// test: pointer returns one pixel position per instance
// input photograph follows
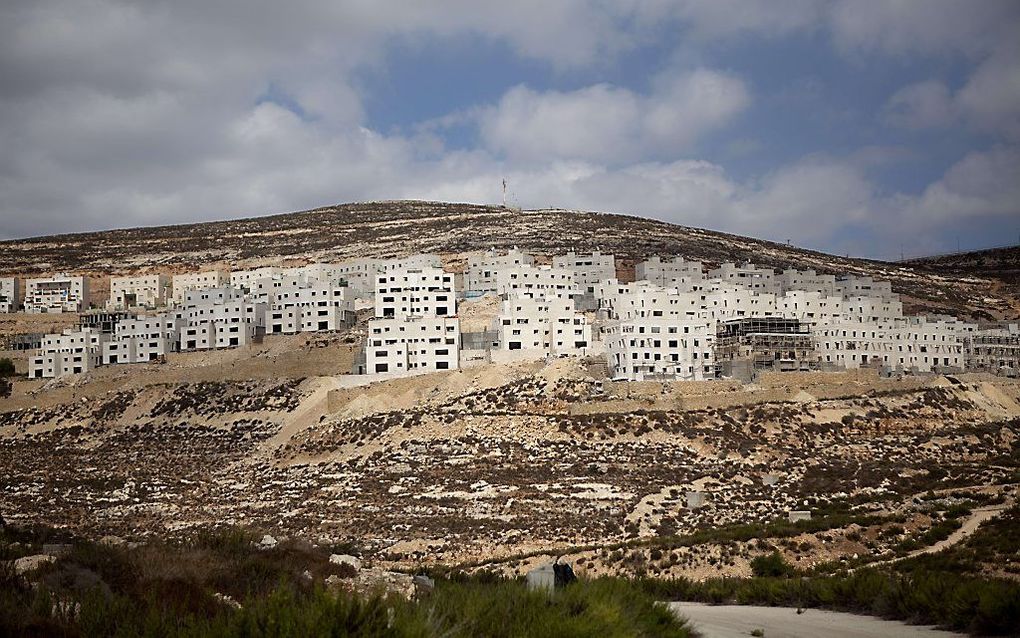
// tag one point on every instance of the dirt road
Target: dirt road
(738, 621)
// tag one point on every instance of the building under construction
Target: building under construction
(748, 346)
(994, 349)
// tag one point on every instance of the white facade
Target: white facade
(854, 286)
(588, 269)
(811, 307)
(246, 278)
(412, 344)
(147, 291)
(747, 276)
(312, 307)
(537, 280)
(677, 273)
(645, 348)
(483, 269)
(71, 352)
(808, 281)
(59, 293)
(905, 345)
(872, 309)
(143, 339)
(9, 294)
(425, 292)
(198, 281)
(546, 324)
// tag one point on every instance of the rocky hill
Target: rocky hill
(383, 229)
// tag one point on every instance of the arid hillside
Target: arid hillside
(381, 229)
(500, 463)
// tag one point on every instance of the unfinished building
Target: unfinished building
(995, 349)
(748, 346)
(56, 294)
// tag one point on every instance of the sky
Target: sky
(877, 129)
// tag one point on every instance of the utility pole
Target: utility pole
(504, 192)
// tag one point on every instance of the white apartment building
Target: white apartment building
(145, 291)
(872, 309)
(412, 344)
(222, 294)
(644, 299)
(588, 269)
(807, 280)
(536, 280)
(294, 307)
(483, 268)
(731, 302)
(545, 324)
(677, 273)
(59, 293)
(71, 352)
(419, 261)
(198, 281)
(854, 286)
(417, 292)
(914, 344)
(9, 294)
(747, 276)
(246, 278)
(671, 348)
(811, 306)
(143, 339)
(221, 320)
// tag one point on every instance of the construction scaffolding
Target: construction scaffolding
(746, 347)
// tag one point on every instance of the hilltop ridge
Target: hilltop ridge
(394, 228)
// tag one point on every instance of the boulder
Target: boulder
(345, 559)
(267, 542)
(32, 563)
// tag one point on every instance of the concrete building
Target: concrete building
(71, 352)
(747, 276)
(677, 273)
(143, 339)
(851, 286)
(660, 349)
(588, 269)
(412, 344)
(537, 280)
(245, 279)
(913, 345)
(220, 318)
(807, 281)
(417, 292)
(103, 321)
(545, 324)
(311, 307)
(811, 307)
(145, 291)
(198, 281)
(749, 346)
(9, 299)
(994, 349)
(59, 293)
(483, 269)
(872, 309)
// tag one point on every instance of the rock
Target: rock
(111, 541)
(227, 600)
(267, 542)
(32, 563)
(423, 585)
(345, 559)
(307, 575)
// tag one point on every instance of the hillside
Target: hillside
(382, 229)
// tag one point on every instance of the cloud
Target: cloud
(610, 124)
(921, 105)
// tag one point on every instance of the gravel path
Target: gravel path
(738, 621)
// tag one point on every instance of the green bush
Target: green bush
(6, 368)
(771, 565)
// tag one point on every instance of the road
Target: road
(738, 621)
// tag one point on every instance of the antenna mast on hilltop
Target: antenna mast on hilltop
(504, 192)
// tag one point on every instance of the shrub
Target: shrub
(773, 565)
(6, 367)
